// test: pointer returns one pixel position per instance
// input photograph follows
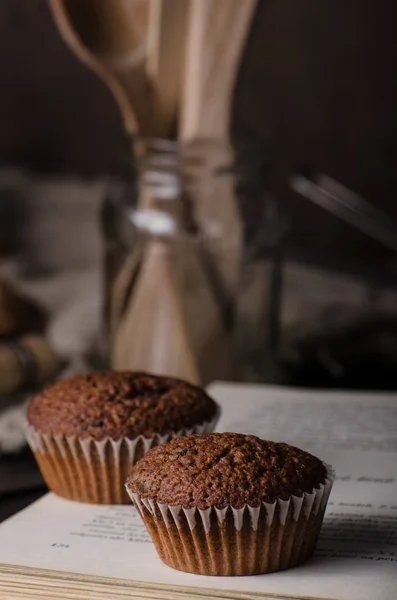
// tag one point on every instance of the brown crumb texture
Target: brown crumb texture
(119, 404)
(222, 469)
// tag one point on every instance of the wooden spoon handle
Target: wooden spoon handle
(165, 60)
(62, 20)
(153, 334)
(217, 34)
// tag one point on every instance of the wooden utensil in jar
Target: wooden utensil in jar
(217, 35)
(165, 61)
(109, 37)
(172, 323)
(153, 334)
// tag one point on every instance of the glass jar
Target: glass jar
(191, 283)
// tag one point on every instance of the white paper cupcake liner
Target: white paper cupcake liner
(275, 535)
(88, 470)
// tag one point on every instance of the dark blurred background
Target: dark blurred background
(318, 78)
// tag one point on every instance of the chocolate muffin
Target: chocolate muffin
(86, 432)
(231, 504)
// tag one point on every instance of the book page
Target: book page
(356, 558)
(310, 418)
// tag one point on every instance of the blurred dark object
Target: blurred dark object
(13, 503)
(362, 356)
(12, 215)
(348, 206)
(27, 362)
(18, 473)
(20, 482)
(18, 313)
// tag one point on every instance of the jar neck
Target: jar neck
(177, 178)
(158, 170)
(159, 185)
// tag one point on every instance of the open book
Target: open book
(60, 549)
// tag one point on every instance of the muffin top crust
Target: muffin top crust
(222, 469)
(119, 404)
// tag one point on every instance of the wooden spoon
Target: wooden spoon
(154, 335)
(171, 324)
(109, 36)
(165, 61)
(217, 35)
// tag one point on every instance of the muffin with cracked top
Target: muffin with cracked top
(86, 432)
(231, 504)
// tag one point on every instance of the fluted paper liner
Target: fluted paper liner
(87, 470)
(229, 541)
